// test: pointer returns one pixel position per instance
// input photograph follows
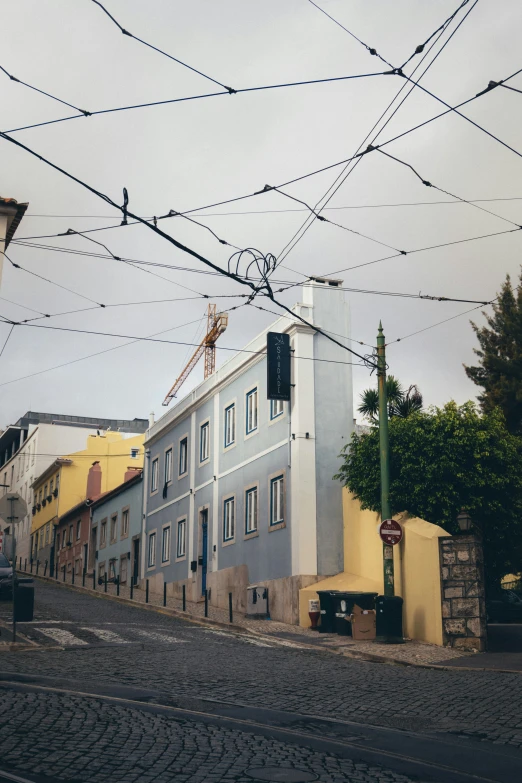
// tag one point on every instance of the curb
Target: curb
(205, 621)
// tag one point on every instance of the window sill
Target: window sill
(165, 563)
(251, 434)
(180, 559)
(252, 534)
(277, 526)
(183, 475)
(229, 447)
(229, 542)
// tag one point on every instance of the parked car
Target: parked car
(6, 577)
(504, 606)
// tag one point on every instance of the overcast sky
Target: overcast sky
(186, 155)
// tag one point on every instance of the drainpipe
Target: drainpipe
(146, 464)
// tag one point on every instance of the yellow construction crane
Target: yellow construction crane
(216, 325)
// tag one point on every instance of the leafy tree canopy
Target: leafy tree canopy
(499, 369)
(441, 461)
(401, 402)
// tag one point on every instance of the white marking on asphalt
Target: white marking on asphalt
(105, 635)
(159, 637)
(61, 636)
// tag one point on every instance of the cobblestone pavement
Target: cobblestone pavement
(87, 740)
(90, 640)
(411, 652)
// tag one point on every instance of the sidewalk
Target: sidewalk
(409, 653)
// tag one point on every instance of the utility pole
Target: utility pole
(387, 550)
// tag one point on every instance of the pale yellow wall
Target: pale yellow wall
(112, 451)
(417, 573)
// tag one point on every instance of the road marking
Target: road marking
(159, 637)
(105, 635)
(61, 636)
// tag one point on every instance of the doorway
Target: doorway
(92, 549)
(135, 560)
(204, 549)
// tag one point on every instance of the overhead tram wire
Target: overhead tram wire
(153, 227)
(201, 96)
(439, 323)
(339, 181)
(429, 184)
(160, 51)
(7, 338)
(370, 49)
(286, 283)
(82, 112)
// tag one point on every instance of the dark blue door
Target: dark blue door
(204, 550)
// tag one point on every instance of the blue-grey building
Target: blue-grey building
(238, 489)
(116, 530)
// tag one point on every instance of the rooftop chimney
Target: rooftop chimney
(94, 480)
(131, 472)
(151, 419)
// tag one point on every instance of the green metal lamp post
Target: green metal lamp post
(387, 550)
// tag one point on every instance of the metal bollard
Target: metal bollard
(31, 566)
(37, 566)
(132, 588)
(206, 603)
(20, 563)
(164, 594)
(94, 579)
(25, 565)
(230, 615)
(83, 578)
(184, 604)
(73, 574)
(117, 585)
(147, 591)
(105, 583)
(64, 573)
(45, 568)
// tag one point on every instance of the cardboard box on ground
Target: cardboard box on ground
(363, 623)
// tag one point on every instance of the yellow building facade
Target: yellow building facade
(64, 483)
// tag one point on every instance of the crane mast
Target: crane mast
(216, 325)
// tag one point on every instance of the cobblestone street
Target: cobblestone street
(113, 690)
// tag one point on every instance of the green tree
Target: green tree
(443, 460)
(499, 369)
(400, 402)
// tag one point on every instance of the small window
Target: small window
(251, 510)
(277, 500)
(182, 528)
(251, 411)
(228, 519)
(40, 495)
(71, 529)
(123, 569)
(47, 533)
(276, 408)
(152, 550)
(45, 491)
(57, 483)
(183, 454)
(112, 569)
(77, 566)
(168, 466)
(64, 538)
(125, 522)
(154, 475)
(51, 487)
(103, 533)
(101, 571)
(135, 453)
(114, 524)
(230, 425)
(165, 545)
(78, 529)
(204, 442)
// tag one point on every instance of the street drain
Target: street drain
(280, 774)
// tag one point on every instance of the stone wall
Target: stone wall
(462, 583)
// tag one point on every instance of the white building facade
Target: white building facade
(238, 489)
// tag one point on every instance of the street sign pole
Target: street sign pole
(387, 550)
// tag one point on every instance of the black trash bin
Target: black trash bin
(344, 602)
(326, 600)
(389, 619)
(24, 600)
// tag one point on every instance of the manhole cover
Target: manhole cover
(280, 774)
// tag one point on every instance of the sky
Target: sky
(186, 155)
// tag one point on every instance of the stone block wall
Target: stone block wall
(463, 599)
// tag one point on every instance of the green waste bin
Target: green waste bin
(326, 600)
(344, 601)
(389, 619)
(24, 600)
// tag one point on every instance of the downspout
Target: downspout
(146, 463)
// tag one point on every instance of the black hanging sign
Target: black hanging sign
(278, 366)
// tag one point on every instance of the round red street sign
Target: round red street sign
(390, 531)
